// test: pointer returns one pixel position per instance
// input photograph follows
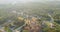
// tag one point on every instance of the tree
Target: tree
(6, 28)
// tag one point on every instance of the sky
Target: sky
(23, 1)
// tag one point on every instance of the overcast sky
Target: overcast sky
(23, 1)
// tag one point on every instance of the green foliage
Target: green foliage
(55, 29)
(7, 29)
(25, 31)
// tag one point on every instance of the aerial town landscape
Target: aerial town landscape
(29, 15)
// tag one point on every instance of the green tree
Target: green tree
(6, 28)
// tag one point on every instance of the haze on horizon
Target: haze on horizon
(23, 1)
